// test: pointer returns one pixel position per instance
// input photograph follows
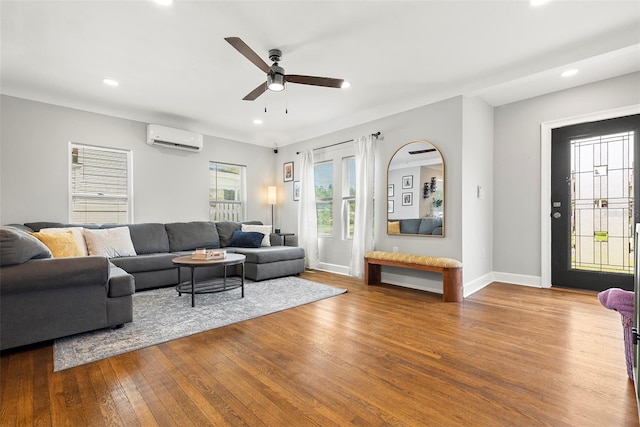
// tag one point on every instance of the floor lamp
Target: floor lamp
(271, 199)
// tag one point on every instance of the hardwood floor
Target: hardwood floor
(507, 356)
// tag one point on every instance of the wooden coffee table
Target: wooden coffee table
(209, 286)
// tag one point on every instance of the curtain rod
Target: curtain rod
(375, 135)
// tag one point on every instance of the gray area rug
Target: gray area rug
(161, 315)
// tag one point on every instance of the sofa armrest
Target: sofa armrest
(275, 240)
(121, 283)
(54, 273)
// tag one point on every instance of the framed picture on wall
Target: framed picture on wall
(407, 199)
(296, 191)
(390, 190)
(389, 206)
(407, 181)
(287, 172)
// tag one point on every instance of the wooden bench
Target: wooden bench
(451, 270)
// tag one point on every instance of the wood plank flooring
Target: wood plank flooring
(383, 355)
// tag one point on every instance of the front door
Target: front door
(593, 188)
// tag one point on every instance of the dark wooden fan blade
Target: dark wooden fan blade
(248, 53)
(262, 88)
(314, 81)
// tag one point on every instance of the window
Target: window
(348, 196)
(100, 185)
(323, 176)
(227, 194)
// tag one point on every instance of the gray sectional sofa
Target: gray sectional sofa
(427, 226)
(44, 298)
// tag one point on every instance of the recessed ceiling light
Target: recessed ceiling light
(257, 121)
(345, 84)
(163, 2)
(537, 2)
(569, 73)
(110, 82)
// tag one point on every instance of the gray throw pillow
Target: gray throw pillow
(17, 247)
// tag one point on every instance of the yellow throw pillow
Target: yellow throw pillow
(393, 227)
(77, 234)
(61, 245)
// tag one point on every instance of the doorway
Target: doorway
(594, 186)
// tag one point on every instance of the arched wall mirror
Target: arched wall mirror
(415, 191)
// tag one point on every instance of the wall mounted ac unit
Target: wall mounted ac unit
(163, 136)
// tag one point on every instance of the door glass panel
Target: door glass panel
(602, 203)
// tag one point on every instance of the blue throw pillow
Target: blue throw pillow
(246, 239)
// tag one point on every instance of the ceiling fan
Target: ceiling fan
(276, 78)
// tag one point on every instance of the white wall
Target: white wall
(439, 123)
(169, 185)
(517, 173)
(477, 171)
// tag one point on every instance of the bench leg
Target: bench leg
(372, 273)
(452, 285)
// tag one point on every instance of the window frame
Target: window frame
(100, 196)
(242, 211)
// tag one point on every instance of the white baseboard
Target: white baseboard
(333, 268)
(518, 279)
(477, 284)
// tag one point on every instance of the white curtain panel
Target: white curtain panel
(363, 223)
(307, 216)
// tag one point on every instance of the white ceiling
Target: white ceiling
(176, 69)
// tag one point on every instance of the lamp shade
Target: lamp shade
(271, 195)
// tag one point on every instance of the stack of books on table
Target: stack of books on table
(209, 254)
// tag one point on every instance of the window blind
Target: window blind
(100, 185)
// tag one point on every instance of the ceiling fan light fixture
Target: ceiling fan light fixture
(275, 79)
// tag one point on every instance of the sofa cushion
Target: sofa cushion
(17, 247)
(427, 225)
(110, 242)
(147, 262)
(226, 229)
(264, 229)
(36, 226)
(410, 226)
(246, 239)
(77, 234)
(61, 245)
(270, 254)
(149, 238)
(185, 236)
